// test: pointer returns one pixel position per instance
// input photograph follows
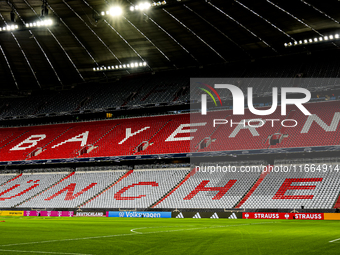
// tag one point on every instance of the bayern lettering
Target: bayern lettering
(183, 132)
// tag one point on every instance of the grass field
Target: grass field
(36, 235)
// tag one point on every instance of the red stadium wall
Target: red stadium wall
(170, 134)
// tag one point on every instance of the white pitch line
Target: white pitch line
(63, 240)
(45, 252)
(175, 230)
(334, 240)
(130, 234)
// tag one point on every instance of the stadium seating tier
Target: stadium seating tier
(181, 133)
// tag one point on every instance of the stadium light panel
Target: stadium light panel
(115, 11)
(146, 5)
(43, 23)
(9, 28)
(121, 67)
(142, 6)
(325, 38)
(39, 23)
(48, 22)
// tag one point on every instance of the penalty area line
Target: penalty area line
(334, 240)
(44, 252)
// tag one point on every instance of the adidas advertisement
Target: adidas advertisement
(197, 216)
(211, 215)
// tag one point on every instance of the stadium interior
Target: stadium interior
(95, 106)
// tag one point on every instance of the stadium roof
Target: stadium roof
(177, 34)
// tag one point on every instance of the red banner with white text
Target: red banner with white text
(283, 216)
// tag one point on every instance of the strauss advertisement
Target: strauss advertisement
(283, 216)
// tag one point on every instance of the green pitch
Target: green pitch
(37, 235)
